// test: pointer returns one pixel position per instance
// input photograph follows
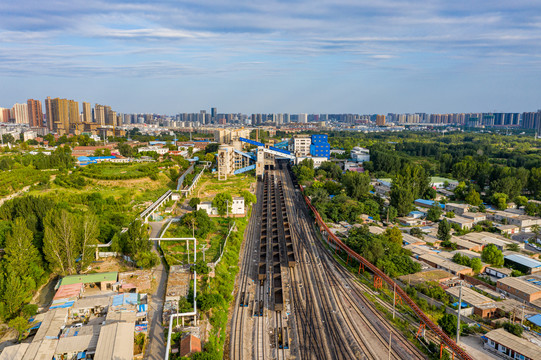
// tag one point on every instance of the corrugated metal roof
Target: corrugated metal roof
(536, 319)
(14, 352)
(510, 341)
(523, 260)
(116, 342)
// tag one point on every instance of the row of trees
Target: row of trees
(41, 236)
(59, 159)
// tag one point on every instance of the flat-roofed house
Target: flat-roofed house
(458, 209)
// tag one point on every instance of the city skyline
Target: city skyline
(273, 56)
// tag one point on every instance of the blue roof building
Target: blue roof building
(85, 160)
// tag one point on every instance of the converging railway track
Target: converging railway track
(294, 301)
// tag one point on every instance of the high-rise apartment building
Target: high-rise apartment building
(531, 120)
(99, 114)
(35, 113)
(60, 115)
(73, 112)
(213, 113)
(5, 115)
(87, 112)
(303, 118)
(49, 113)
(19, 112)
(380, 120)
(111, 117)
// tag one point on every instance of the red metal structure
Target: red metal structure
(445, 340)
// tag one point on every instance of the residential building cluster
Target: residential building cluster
(93, 316)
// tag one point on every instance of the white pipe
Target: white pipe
(193, 313)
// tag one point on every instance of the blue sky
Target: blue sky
(314, 56)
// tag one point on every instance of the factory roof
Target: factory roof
(51, 324)
(444, 263)
(469, 296)
(523, 260)
(116, 341)
(517, 344)
(41, 350)
(14, 352)
(520, 284)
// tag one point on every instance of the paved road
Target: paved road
(155, 349)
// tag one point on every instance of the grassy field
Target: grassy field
(123, 199)
(209, 185)
(175, 251)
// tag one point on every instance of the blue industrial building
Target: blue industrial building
(320, 146)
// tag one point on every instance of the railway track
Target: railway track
(244, 293)
(365, 331)
(283, 260)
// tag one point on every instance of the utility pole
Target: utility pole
(458, 317)
(522, 317)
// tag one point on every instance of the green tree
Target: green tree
(417, 232)
(513, 247)
(21, 256)
(500, 200)
(450, 214)
(212, 148)
(61, 247)
(514, 329)
(125, 150)
(476, 265)
(209, 157)
(521, 201)
(8, 138)
(434, 213)
(401, 199)
(492, 255)
(14, 295)
(135, 240)
(249, 198)
(390, 213)
(448, 323)
(87, 238)
(444, 230)
(460, 191)
(394, 234)
(19, 324)
(223, 202)
(473, 198)
(194, 202)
